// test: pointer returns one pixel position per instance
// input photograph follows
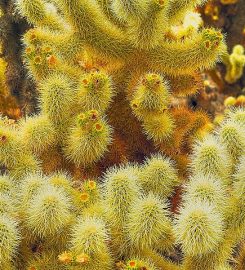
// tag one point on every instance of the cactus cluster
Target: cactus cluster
(123, 61)
(125, 219)
(107, 72)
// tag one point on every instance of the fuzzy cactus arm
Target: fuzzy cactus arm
(106, 7)
(125, 9)
(179, 58)
(94, 27)
(186, 85)
(234, 64)
(65, 44)
(89, 236)
(37, 13)
(159, 261)
(176, 9)
(149, 224)
(10, 238)
(146, 31)
(212, 260)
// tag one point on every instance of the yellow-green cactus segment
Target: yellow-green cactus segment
(206, 189)
(6, 184)
(10, 146)
(49, 212)
(151, 96)
(176, 57)
(7, 205)
(237, 115)
(131, 9)
(95, 91)
(45, 260)
(89, 236)
(146, 32)
(10, 238)
(89, 139)
(199, 229)
(240, 170)
(158, 128)
(40, 14)
(57, 98)
(235, 63)
(233, 137)
(175, 9)
(149, 223)
(94, 27)
(211, 158)
(37, 133)
(159, 176)
(29, 188)
(120, 191)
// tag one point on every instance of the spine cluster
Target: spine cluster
(125, 220)
(107, 72)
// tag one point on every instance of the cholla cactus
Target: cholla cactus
(125, 220)
(110, 65)
(235, 63)
(122, 60)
